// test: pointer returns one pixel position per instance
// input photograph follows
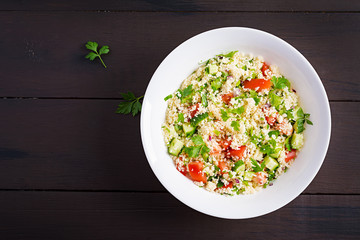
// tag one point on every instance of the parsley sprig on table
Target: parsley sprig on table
(131, 104)
(93, 46)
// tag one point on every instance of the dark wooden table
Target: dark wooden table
(73, 169)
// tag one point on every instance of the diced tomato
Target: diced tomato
(229, 185)
(290, 155)
(223, 166)
(237, 153)
(196, 173)
(182, 171)
(271, 120)
(216, 150)
(227, 97)
(195, 110)
(225, 144)
(260, 178)
(264, 69)
(257, 84)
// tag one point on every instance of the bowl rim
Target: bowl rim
(328, 118)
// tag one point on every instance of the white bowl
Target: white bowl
(180, 63)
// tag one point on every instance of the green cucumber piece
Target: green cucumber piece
(188, 129)
(297, 141)
(205, 156)
(270, 163)
(175, 147)
(248, 176)
(276, 153)
(213, 69)
(238, 167)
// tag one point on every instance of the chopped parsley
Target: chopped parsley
(224, 115)
(280, 82)
(256, 167)
(235, 125)
(168, 97)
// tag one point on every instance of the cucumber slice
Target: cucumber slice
(188, 129)
(178, 129)
(248, 176)
(297, 141)
(239, 167)
(270, 163)
(175, 147)
(213, 69)
(296, 109)
(205, 156)
(276, 153)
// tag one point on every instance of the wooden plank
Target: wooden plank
(45, 50)
(183, 5)
(83, 144)
(71, 215)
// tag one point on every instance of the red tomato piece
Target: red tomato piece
(257, 84)
(237, 153)
(196, 173)
(223, 166)
(227, 97)
(271, 120)
(290, 155)
(265, 69)
(182, 171)
(225, 144)
(229, 185)
(195, 110)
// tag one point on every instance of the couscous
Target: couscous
(234, 125)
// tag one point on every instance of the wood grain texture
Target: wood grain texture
(45, 50)
(59, 215)
(183, 5)
(84, 145)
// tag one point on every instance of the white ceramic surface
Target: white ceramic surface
(180, 63)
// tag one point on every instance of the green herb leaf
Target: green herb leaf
(91, 56)
(131, 105)
(300, 113)
(220, 184)
(181, 117)
(276, 133)
(280, 82)
(193, 151)
(224, 115)
(216, 84)
(238, 110)
(309, 122)
(300, 125)
(197, 140)
(217, 133)
(187, 91)
(229, 55)
(237, 164)
(254, 95)
(256, 167)
(275, 100)
(204, 100)
(93, 46)
(197, 119)
(104, 50)
(168, 97)
(287, 144)
(235, 125)
(128, 96)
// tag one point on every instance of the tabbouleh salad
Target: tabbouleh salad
(234, 125)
